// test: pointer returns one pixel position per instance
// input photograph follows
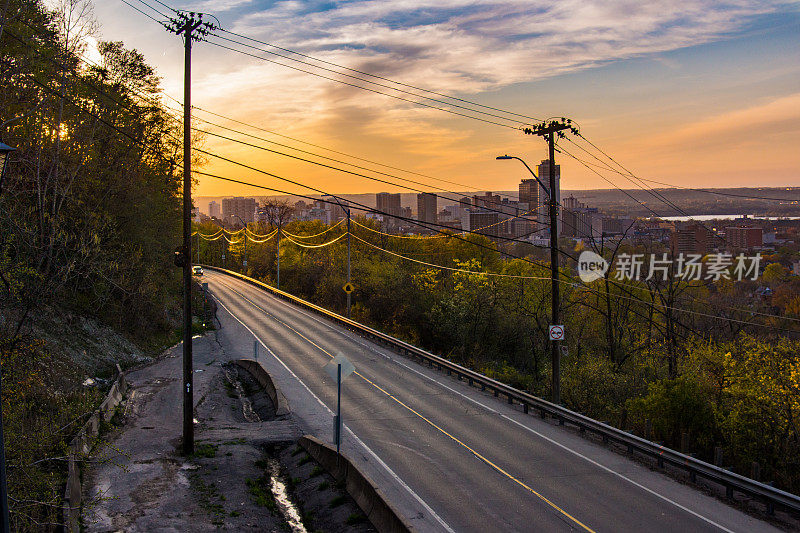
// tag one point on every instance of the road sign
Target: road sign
(556, 333)
(338, 368)
(347, 367)
(348, 287)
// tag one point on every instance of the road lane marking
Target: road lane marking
(355, 437)
(477, 454)
(520, 424)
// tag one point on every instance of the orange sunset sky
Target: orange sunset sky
(697, 94)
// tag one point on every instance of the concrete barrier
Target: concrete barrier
(79, 448)
(381, 514)
(265, 380)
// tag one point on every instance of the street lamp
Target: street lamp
(554, 352)
(244, 225)
(5, 526)
(346, 210)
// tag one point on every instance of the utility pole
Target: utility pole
(348, 260)
(244, 228)
(549, 130)
(192, 27)
(278, 252)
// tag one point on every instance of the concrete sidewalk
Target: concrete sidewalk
(140, 482)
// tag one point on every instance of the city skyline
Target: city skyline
(664, 89)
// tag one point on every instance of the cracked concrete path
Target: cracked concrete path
(140, 482)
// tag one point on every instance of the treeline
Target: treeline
(690, 364)
(89, 216)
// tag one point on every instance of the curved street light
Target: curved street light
(554, 353)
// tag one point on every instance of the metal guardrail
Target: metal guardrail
(770, 496)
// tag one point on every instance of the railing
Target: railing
(770, 496)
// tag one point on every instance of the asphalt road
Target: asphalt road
(450, 457)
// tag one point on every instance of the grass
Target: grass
(304, 460)
(323, 486)
(337, 501)
(261, 494)
(209, 498)
(205, 450)
(297, 451)
(317, 471)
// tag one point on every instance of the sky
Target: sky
(689, 93)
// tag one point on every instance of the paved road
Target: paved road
(451, 457)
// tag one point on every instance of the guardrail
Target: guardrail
(733, 482)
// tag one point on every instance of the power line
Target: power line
(363, 88)
(403, 91)
(137, 141)
(383, 78)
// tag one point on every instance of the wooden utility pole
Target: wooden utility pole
(549, 132)
(192, 27)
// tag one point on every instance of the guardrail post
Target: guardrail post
(648, 429)
(770, 505)
(525, 408)
(718, 456)
(510, 400)
(470, 382)
(684, 441)
(755, 471)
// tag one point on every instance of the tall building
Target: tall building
(389, 203)
(692, 238)
(744, 238)
(529, 193)
(244, 208)
(427, 207)
(214, 209)
(544, 198)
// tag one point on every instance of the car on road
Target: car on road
(197, 270)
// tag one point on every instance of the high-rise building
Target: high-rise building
(544, 198)
(427, 207)
(692, 238)
(529, 193)
(389, 203)
(743, 238)
(244, 208)
(214, 209)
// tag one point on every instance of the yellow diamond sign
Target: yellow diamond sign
(348, 287)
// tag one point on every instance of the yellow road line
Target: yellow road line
(422, 417)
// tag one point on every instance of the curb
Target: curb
(80, 447)
(363, 490)
(265, 380)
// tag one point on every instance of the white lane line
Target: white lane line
(520, 424)
(358, 440)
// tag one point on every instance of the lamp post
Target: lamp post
(553, 203)
(346, 210)
(5, 526)
(244, 225)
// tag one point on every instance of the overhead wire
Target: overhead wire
(403, 91)
(137, 141)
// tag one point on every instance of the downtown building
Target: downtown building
(244, 208)
(427, 207)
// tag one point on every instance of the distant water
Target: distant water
(726, 217)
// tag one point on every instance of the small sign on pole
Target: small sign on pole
(557, 333)
(348, 287)
(339, 368)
